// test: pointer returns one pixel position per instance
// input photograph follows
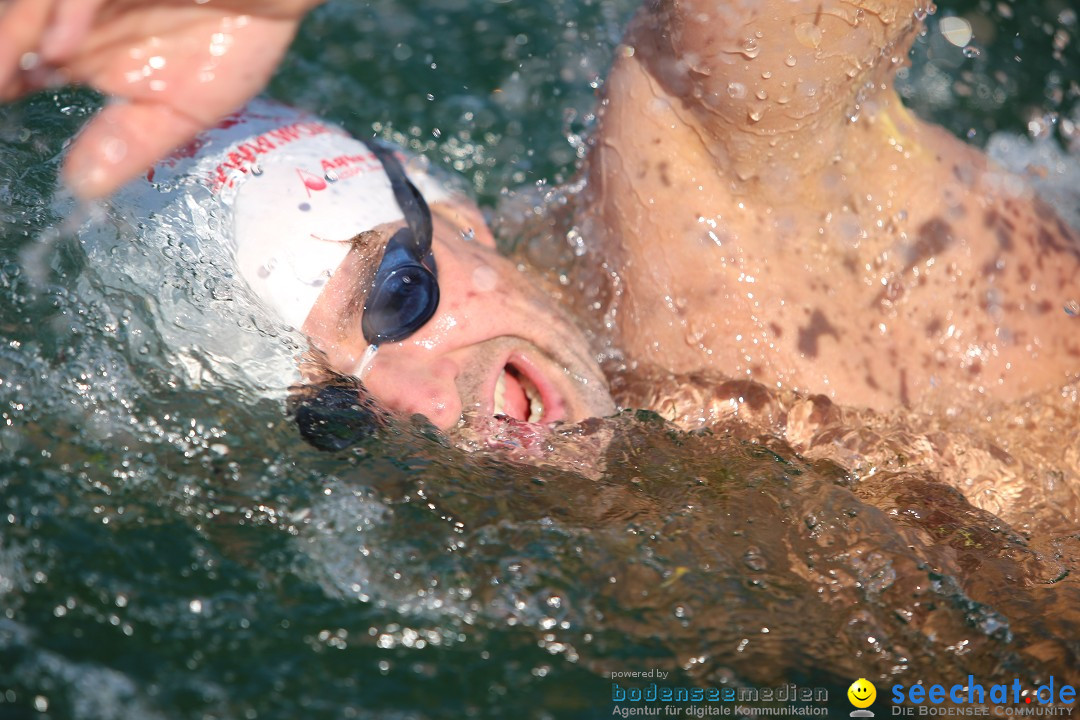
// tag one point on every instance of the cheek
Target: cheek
(476, 288)
(417, 386)
(477, 285)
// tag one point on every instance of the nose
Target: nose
(402, 381)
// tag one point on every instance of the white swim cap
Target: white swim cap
(299, 189)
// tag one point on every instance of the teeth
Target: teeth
(500, 393)
(536, 401)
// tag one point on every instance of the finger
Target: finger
(21, 26)
(122, 141)
(69, 27)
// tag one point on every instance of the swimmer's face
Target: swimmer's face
(496, 346)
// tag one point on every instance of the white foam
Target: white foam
(1051, 171)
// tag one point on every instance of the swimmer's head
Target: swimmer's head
(355, 253)
(494, 346)
(371, 254)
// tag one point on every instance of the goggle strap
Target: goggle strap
(408, 197)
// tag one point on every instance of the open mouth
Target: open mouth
(517, 397)
(522, 395)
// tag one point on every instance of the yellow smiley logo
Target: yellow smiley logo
(861, 693)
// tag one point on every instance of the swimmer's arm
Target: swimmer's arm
(172, 68)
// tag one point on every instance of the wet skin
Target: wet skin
(493, 321)
(759, 232)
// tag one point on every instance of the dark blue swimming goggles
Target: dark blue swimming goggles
(405, 292)
(404, 295)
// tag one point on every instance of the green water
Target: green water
(175, 551)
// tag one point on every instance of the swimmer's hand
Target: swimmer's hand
(172, 68)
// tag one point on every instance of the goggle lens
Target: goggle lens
(405, 293)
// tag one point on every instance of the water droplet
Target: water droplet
(267, 268)
(754, 115)
(761, 95)
(754, 559)
(331, 176)
(956, 30)
(256, 170)
(220, 43)
(1072, 308)
(971, 52)
(736, 90)
(790, 61)
(766, 75)
(114, 149)
(808, 34)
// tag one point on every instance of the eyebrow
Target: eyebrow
(369, 246)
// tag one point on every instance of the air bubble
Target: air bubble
(971, 52)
